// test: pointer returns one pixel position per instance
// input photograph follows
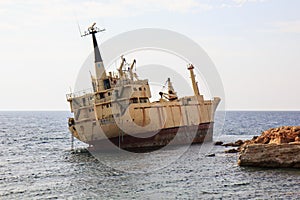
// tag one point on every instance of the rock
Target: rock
(218, 143)
(254, 137)
(228, 144)
(296, 128)
(210, 155)
(234, 144)
(280, 135)
(270, 155)
(276, 147)
(232, 151)
(239, 142)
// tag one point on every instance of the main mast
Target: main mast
(99, 81)
(194, 83)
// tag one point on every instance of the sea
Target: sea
(36, 162)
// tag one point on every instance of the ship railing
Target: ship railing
(128, 82)
(79, 93)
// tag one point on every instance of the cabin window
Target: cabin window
(134, 100)
(140, 89)
(109, 93)
(144, 88)
(83, 101)
(144, 100)
(106, 84)
(101, 95)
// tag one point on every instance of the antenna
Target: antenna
(92, 30)
(79, 28)
(77, 22)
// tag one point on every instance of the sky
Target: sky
(254, 44)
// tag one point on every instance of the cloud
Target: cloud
(239, 3)
(246, 1)
(127, 8)
(34, 12)
(107, 8)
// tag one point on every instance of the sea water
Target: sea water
(36, 163)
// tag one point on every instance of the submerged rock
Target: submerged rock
(210, 155)
(218, 143)
(234, 144)
(232, 151)
(276, 147)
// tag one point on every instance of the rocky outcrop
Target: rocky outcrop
(231, 144)
(281, 135)
(276, 147)
(270, 155)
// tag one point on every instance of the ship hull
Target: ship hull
(184, 135)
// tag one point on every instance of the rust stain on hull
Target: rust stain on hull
(202, 133)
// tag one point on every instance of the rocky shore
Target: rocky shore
(276, 147)
(270, 155)
(280, 135)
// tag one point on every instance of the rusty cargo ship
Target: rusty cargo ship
(118, 113)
